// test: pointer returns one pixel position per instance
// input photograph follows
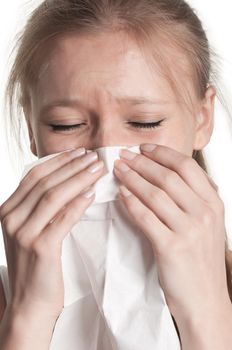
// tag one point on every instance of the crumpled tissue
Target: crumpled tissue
(113, 299)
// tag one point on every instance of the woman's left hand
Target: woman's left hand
(173, 202)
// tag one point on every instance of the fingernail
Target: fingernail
(127, 154)
(89, 158)
(124, 191)
(78, 152)
(147, 147)
(95, 167)
(89, 193)
(121, 166)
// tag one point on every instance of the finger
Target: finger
(211, 181)
(51, 203)
(24, 210)
(152, 197)
(35, 175)
(187, 168)
(56, 231)
(146, 220)
(167, 180)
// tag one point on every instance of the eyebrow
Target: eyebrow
(75, 103)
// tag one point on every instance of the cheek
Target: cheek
(49, 143)
(179, 136)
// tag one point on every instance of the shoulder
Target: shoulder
(3, 270)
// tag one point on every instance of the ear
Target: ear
(205, 119)
(28, 117)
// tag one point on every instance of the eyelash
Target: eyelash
(135, 124)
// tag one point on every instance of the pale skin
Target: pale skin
(170, 197)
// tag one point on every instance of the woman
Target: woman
(99, 73)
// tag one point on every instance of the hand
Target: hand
(175, 205)
(36, 219)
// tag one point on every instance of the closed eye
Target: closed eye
(146, 125)
(59, 127)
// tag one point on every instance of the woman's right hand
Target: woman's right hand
(36, 218)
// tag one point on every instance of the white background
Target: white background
(216, 17)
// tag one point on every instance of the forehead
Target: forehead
(110, 61)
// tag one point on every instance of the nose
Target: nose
(107, 136)
(107, 133)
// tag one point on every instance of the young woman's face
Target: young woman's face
(99, 91)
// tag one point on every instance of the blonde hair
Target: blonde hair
(144, 20)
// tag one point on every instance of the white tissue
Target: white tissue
(113, 300)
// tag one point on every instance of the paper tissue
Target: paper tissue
(113, 300)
